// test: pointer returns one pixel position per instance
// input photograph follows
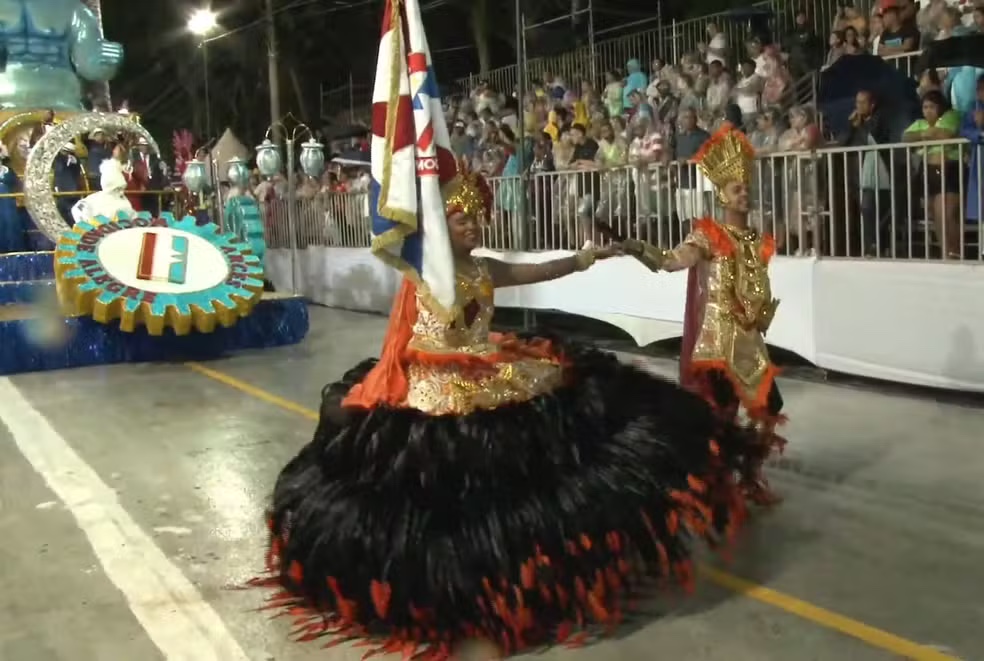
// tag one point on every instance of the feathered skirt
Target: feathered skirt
(529, 523)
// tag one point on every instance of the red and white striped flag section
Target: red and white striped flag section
(411, 157)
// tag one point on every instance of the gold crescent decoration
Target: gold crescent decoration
(38, 190)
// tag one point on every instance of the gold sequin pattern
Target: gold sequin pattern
(454, 388)
(451, 388)
(736, 291)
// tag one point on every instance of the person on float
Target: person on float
(729, 305)
(111, 199)
(474, 485)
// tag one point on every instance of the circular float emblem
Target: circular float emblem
(156, 272)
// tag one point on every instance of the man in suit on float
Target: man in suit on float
(148, 171)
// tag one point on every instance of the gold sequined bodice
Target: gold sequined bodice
(469, 331)
(737, 306)
(459, 368)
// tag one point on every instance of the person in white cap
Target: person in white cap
(110, 200)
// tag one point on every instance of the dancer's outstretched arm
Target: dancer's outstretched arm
(511, 275)
(687, 254)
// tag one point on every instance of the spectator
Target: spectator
(510, 114)
(942, 169)
(717, 45)
(765, 137)
(733, 115)
(874, 36)
(852, 42)
(462, 144)
(614, 94)
(718, 89)
(748, 91)
(928, 18)
(978, 14)
(703, 79)
(801, 178)
(665, 104)
(848, 16)
(585, 148)
(688, 97)
(972, 129)
(635, 80)
(805, 47)
(950, 24)
(836, 50)
(897, 38)
(869, 172)
(688, 140)
(563, 149)
(639, 108)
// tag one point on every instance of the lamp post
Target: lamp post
(269, 163)
(194, 178)
(201, 23)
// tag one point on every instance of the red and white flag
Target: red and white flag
(411, 156)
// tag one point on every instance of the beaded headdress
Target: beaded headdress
(468, 193)
(726, 156)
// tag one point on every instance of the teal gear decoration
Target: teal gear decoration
(243, 218)
(89, 294)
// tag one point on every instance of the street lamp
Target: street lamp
(201, 23)
(269, 163)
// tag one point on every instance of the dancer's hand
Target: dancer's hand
(613, 250)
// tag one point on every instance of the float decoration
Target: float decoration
(39, 194)
(156, 272)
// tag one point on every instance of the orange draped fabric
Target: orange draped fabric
(386, 384)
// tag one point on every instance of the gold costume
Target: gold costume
(460, 367)
(729, 291)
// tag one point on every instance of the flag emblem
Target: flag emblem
(163, 258)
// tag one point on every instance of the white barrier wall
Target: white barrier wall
(909, 322)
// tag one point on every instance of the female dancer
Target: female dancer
(471, 485)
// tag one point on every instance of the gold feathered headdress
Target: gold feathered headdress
(468, 193)
(726, 156)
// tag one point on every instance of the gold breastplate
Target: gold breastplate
(469, 331)
(752, 290)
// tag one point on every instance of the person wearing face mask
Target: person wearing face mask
(729, 305)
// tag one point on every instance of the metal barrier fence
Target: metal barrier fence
(903, 201)
(669, 41)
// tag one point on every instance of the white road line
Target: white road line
(172, 612)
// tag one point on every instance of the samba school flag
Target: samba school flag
(411, 156)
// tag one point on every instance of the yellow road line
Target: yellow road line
(253, 391)
(805, 610)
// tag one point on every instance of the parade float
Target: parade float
(119, 286)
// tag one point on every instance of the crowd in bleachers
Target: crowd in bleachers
(658, 113)
(617, 149)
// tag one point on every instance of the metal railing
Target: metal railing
(903, 201)
(669, 42)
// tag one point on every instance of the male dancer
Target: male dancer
(729, 304)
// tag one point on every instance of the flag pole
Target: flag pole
(521, 185)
